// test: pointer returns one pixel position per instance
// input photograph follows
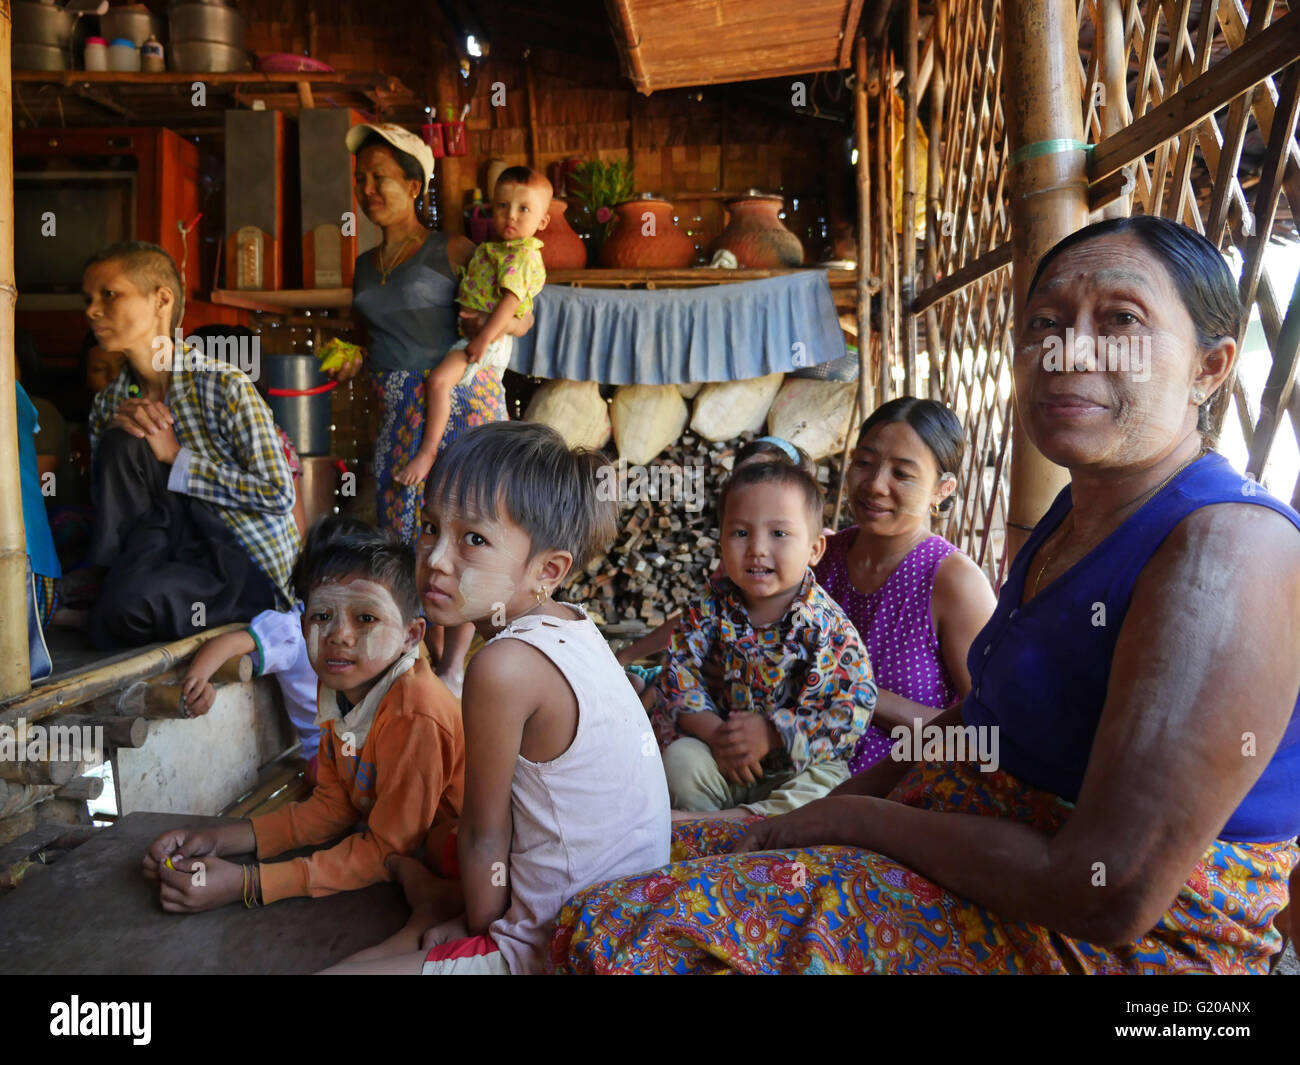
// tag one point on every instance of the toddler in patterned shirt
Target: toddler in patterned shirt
(797, 689)
(502, 279)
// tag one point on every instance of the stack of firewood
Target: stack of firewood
(667, 545)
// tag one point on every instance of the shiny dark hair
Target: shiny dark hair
(550, 490)
(938, 427)
(338, 547)
(785, 473)
(1200, 276)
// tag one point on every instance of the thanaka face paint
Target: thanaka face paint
(472, 568)
(354, 632)
(893, 479)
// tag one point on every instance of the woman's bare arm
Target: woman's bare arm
(1202, 684)
(961, 605)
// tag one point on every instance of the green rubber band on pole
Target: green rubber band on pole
(1052, 147)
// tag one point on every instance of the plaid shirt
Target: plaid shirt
(808, 674)
(230, 457)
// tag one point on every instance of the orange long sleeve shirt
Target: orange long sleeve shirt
(409, 772)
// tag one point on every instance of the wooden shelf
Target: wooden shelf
(109, 97)
(285, 301)
(180, 77)
(843, 287)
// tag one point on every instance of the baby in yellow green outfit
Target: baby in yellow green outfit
(501, 280)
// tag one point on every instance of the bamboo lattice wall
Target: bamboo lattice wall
(1220, 156)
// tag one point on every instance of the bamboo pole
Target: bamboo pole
(908, 236)
(885, 224)
(866, 397)
(15, 670)
(81, 688)
(934, 194)
(1113, 71)
(1049, 196)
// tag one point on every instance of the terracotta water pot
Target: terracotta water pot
(755, 235)
(644, 235)
(562, 248)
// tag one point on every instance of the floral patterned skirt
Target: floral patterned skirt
(847, 910)
(401, 431)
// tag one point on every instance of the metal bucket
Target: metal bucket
(305, 418)
(206, 22)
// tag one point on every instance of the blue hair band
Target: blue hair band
(784, 445)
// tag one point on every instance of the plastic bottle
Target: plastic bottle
(151, 56)
(96, 54)
(123, 55)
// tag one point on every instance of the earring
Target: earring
(1198, 397)
(540, 593)
(934, 510)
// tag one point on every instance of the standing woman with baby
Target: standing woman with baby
(404, 298)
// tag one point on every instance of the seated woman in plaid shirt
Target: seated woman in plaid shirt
(194, 497)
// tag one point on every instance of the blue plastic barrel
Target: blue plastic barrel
(305, 418)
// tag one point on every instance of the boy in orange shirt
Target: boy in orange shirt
(392, 750)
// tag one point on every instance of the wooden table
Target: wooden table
(93, 912)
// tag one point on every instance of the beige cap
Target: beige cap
(400, 138)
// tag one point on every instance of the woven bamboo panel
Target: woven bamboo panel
(969, 333)
(1234, 175)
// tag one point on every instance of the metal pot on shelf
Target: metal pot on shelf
(42, 36)
(207, 37)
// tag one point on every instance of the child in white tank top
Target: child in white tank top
(564, 787)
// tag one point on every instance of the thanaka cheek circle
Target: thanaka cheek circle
(481, 588)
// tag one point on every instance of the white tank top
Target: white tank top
(597, 812)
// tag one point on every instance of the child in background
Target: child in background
(274, 640)
(563, 785)
(102, 367)
(391, 746)
(797, 689)
(502, 279)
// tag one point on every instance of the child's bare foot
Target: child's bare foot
(415, 471)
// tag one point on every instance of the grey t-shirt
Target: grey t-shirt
(411, 320)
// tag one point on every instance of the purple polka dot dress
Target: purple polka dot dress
(895, 625)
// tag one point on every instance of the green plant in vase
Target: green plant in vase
(597, 187)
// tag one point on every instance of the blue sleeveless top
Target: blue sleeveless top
(1040, 671)
(411, 320)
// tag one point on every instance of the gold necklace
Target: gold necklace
(1139, 501)
(379, 252)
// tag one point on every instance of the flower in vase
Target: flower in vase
(603, 214)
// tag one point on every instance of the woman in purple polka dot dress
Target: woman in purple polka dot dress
(917, 601)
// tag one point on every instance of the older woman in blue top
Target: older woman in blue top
(1125, 793)
(404, 299)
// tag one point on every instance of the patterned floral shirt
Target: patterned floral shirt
(503, 266)
(230, 456)
(808, 674)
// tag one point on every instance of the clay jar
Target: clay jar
(562, 248)
(755, 235)
(644, 235)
